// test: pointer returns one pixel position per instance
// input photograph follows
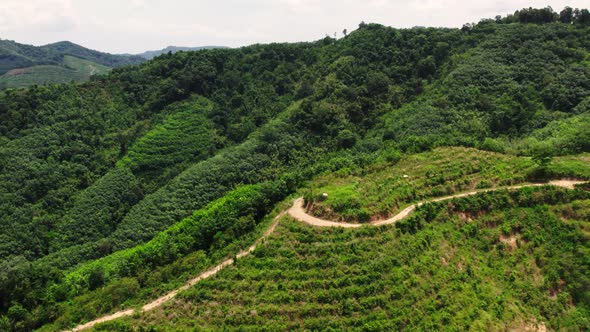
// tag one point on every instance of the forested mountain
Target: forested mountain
(117, 190)
(173, 49)
(24, 65)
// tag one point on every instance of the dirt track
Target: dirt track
(298, 212)
(167, 297)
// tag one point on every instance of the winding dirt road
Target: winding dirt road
(297, 211)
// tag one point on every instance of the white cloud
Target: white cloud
(137, 3)
(379, 3)
(55, 15)
(301, 6)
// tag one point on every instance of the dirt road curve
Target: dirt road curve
(165, 298)
(298, 212)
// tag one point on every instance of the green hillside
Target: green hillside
(88, 67)
(494, 272)
(43, 74)
(119, 190)
(74, 69)
(388, 185)
(24, 65)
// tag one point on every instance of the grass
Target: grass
(383, 189)
(504, 270)
(577, 166)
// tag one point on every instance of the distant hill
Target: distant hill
(23, 65)
(152, 54)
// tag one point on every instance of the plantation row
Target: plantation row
(450, 266)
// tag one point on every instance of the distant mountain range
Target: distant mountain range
(24, 65)
(173, 49)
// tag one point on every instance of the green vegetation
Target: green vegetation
(85, 66)
(173, 49)
(382, 189)
(216, 226)
(499, 261)
(118, 189)
(185, 136)
(15, 55)
(44, 74)
(77, 70)
(25, 65)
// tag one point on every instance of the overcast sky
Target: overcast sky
(133, 26)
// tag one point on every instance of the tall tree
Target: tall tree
(566, 15)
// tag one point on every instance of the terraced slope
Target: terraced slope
(451, 266)
(297, 212)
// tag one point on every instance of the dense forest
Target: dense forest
(114, 190)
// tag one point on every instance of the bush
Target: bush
(346, 138)
(492, 145)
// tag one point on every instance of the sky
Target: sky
(134, 26)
